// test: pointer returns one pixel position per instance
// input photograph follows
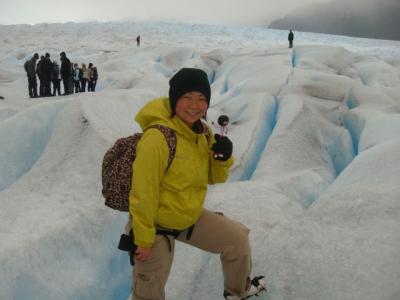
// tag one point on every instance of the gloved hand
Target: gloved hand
(222, 147)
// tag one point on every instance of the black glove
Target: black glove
(222, 148)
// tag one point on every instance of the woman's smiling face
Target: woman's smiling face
(191, 107)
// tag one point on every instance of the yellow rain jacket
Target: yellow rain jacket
(172, 199)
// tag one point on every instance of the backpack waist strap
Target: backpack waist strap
(175, 233)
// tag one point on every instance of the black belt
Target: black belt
(127, 242)
(175, 233)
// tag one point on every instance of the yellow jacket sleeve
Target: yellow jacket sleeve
(219, 170)
(148, 169)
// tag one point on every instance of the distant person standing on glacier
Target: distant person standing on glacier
(85, 77)
(290, 38)
(47, 68)
(94, 75)
(56, 78)
(39, 72)
(30, 69)
(66, 73)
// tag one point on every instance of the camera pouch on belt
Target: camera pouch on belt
(127, 243)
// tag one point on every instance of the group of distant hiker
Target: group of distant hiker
(73, 77)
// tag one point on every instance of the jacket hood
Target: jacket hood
(158, 111)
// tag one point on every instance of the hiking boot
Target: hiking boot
(258, 284)
(228, 296)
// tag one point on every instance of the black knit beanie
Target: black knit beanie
(188, 80)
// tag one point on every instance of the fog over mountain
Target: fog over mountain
(378, 19)
(223, 12)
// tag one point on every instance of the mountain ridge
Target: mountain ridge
(377, 19)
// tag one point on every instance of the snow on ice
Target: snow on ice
(316, 178)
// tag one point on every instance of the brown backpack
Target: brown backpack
(117, 167)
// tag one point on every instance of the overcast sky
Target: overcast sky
(241, 12)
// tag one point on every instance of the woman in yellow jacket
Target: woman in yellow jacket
(166, 202)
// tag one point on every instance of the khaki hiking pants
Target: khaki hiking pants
(213, 233)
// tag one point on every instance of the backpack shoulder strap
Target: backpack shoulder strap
(206, 132)
(170, 138)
